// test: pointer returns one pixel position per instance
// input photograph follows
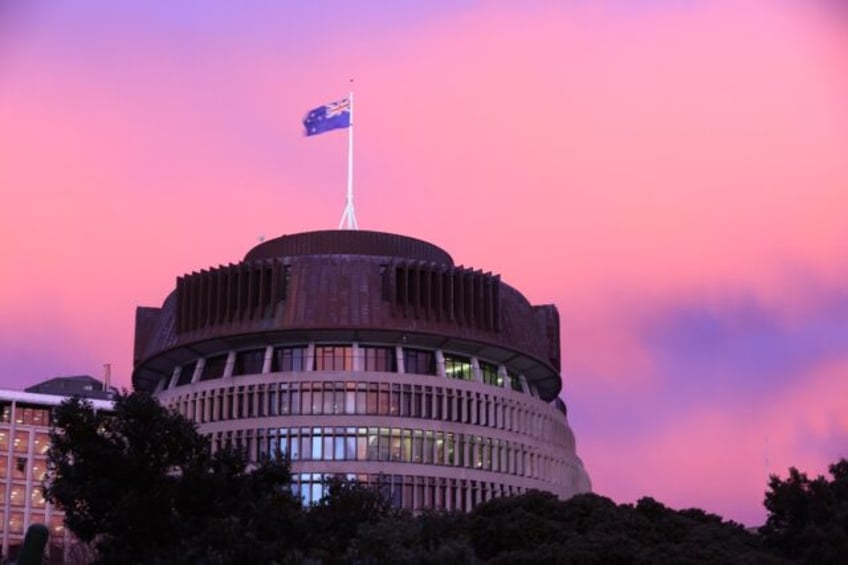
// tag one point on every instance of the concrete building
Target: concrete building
(369, 355)
(24, 441)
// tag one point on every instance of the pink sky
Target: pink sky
(672, 175)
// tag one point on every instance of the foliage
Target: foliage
(140, 484)
(808, 518)
(334, 521)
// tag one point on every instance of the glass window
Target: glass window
(395, 445)
(6, 413)
(514, 382)
(362, 444)
(372, 398)
(419, 362)
(38, 470)
(350, 447)
(490, 374)
(380, 359)
(16, 522)
(186, 374)
(394, 402)
(37, 497)
(339, 447)
(214, 368)
(384, 444)
(289, 359)
(4, 441)
(457, 367)
(21, 442)
(17, 496)
(249, 362)
(373, 445)
(333, 358)
(384, 399)
(406, 441)
(350, 398)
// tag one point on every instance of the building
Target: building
(369, 355)
(24, 441)
(81, 385)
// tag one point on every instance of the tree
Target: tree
(335, 519)
(808, 518)
(140, 484)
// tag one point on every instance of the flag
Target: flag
(334, 115)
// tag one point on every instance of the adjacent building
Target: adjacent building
(24, 441)
(368, 355)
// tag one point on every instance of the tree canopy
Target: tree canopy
(808, 518)
(140, 485)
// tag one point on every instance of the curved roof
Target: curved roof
(349, 242)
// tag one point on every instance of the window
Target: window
(333, 358)
(249, 362)
(490, 374)
(419, 362)
(289, 359)
(381, 359)
(214, 368)
(186, 374)
(515, 382)
(457, 367)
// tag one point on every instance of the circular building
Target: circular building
(372, 356)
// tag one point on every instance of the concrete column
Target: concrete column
(358, 363)
(476, 374)
(198, 370)
(310, 357)
(268, 362)
(172, 382)
(401, 365)
(440, 364)
(231, 362)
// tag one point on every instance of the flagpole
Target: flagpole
(349, 213)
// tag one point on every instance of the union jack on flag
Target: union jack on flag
(335, 115)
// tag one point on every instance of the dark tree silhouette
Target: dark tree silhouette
(808, 518)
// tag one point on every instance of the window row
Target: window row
(399, 445)
(343, 358)
(19, 496)
(409, 491)
(21, 467)
(19, 442)
(372, 399)
(24, 415)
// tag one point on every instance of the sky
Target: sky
(672, 174)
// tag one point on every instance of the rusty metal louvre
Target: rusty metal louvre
(194, 293)
(212, 298)
(241, 304)
(415, 289)
(431, 291)
(481, 317)
(488, 303)
(439, 289)
(468, 296)
(252, 293)
(450, 298)
(220, 294)
(390, 269)
(496, 303)
(475, 299)
(274, 282)
(232, 293)
(181, 301)
(459, 295)
(402, 288)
